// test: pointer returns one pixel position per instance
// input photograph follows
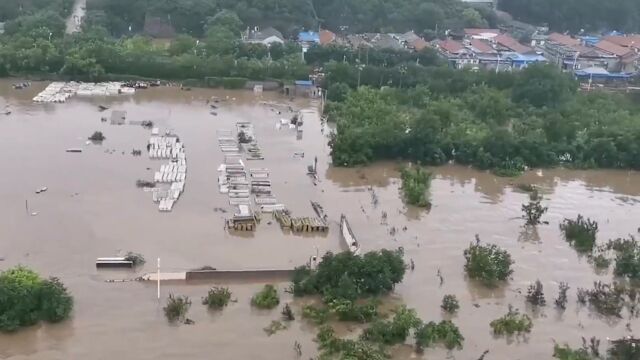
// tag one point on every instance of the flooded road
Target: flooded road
(93, 209)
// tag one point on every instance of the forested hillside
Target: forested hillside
(575, 15)
(289, 16)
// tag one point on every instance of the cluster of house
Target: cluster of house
(406, 41)
(487, 49)
(609, 57)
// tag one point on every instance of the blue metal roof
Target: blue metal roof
(304, 83)
(309, 36)
(526, 58)
(599, 73)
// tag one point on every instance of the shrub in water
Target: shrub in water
(512, 323)
(177, 308)
(267, 298)
(450, 304)
(535, 294)
(445, 332)
(487, 263)
(217, 298)
(580, 233)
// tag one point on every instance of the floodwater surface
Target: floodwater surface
(93, 209)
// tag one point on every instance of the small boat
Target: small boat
(103, 107)
(348, 237)
(74, 150)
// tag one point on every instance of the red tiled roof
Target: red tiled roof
(474, 31)
(451, 46)
(482, 46)
(626, 41)
(612, 48)
(511, 44)
(327, 37)
(563, 39)
(419, 44)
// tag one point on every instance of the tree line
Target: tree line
(291, 16)
(577, 15)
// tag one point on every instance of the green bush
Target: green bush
(566, 353)
(580, 233)
(177, 308)
(26, 299)
(395, 331)
(445, 332)
(267, 298)
(217, 298)
(332, 347)
(512, 323)
(487, 263)
(352, 311)
(450, 304)
(627, 260)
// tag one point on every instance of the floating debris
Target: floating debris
(74, 150)
(41, 190)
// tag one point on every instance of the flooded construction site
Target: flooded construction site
(198, 217)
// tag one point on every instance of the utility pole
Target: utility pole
(158, 279)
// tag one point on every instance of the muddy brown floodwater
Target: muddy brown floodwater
(93, 209)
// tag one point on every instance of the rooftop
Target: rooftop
(563, 39)
(481, 32)
(309, 36)
(482, 47)
(264, 34)
(613, 48)
(451, 46)
(625, 41)
(326, 37)
(512, 44)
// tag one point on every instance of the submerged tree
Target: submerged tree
(561, 300)
(267, 298)
(533, 211)
(415, 184)
(26, 299)
(535, 294)
(444, 332)
(177, 308)
(487, 263)
(580, 233)
(450, 304)
(512, 323)
(217, 298)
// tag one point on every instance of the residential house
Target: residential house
(488, 57)
(561, 50)
(384, 41)
(456, 54)
(327, 37)
(624, 59)
(357, 41)
(266, 36)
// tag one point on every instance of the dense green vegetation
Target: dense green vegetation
(626, 348)
(415, 184)
(487, 263)
(576, 15)
(444, 332)
(610, 299)
(349, 277)
(26, 299)
(505, 122)
(290, 16)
